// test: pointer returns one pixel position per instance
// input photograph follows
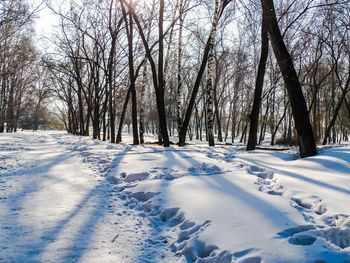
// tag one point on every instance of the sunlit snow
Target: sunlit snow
(65, 198)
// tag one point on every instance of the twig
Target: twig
(115, 238)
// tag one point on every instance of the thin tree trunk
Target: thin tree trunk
(263, 125)
(144, 83)
(273, 135)
(336, 112)
(183, 131)
(217, 113)
(254, 115)
(161, 109)
(129, 27)
(142, 102)
(122, 117)
(158, 87)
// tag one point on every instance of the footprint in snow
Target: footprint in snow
(171, 229)
(337, 234)
(266, 181)
(313, 205)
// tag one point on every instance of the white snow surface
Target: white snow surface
(66, 198)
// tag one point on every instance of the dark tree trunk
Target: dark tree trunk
(111, 92)
(122, 117)
(158, 81)
(96, 122)
(307, 145)
(254, 116)
(129, 32)
(336, 112)
(161, 80)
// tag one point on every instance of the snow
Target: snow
(66, 198)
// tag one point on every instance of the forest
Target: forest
(177, 131)
(220, 71)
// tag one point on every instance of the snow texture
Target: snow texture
(65, 198)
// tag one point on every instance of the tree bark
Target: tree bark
(336, 111)
(307, 145)
(129, 32)
(161, 80)
(254, 115)
(179, 71)
(159, 87)
(122, 117)
(183, 131)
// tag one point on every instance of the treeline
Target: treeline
(23, 83)
(196, 69)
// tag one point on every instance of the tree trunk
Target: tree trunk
(307, 146)
(129, 32)
(122, 117)
(274, 132)
(183, 131)
(144, 84)
(217, 112)
(142, 102)
(263, 125)
(336, 112)
(179, 71)
(254, 116)
(210, 88)
(161, 80)
(158, 85)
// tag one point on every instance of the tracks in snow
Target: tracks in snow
(167, 229)
(174, 233)
(333, 229)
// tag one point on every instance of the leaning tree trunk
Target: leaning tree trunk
(307, 145)
(254, 116)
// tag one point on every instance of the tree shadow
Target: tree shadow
(216, 182)
(340, 153)
(95, 199)
(324, 163)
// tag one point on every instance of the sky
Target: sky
(45, 24)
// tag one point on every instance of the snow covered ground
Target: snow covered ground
(72, 199)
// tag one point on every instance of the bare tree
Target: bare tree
(307, 146)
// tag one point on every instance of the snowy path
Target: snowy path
(71, 199)
(55, 207)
